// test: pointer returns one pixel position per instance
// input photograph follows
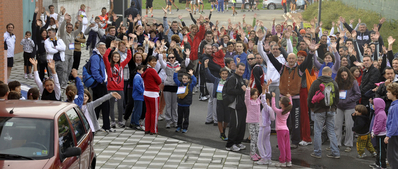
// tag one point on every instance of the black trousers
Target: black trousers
(381, 151)
(392, 152)
(43, 66)
(76, 59)
(183, 114)
(293, 122)
(130, 103)
(99, 91)
(202, 82)
(237, 126)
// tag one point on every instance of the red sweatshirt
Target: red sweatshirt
(196, 41)
(115, 74)
(151, 80)
(218, 58)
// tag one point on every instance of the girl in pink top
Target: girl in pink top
(282, 132)
(253, 103)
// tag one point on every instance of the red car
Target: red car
(44, 134)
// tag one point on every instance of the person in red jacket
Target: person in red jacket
(114, 71)
(151, 96)
(194, 39)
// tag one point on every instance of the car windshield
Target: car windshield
(26, 138)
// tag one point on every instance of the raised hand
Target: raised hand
(359, 20)
(190, 72)
(237, 60)
(116, 95)
(51, 65)
(187, 52)
(178, 69)
(333, 46)
(354, 34)
(351, 21)
(266, 47)
(179, 17)
(130, 18)
(164, 10)
(207, 63)
(33, 61)
(390, 40)
(36, 9)
(382, 20)
(74, 73)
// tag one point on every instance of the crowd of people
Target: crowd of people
(249, 74)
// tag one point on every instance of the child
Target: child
(33, 94)
(361, 127)
(138, 95)
(151, 96)
(114, 70)
(78, 89)
(392, 126)
(50, 89)
(379, 130)
(184, 98)
(267, 115)
(252, 102)
(13, 96)
(88, 108)
(28, 45)
(218, 54)
(222, 112)
(282, 131)
(15, 86)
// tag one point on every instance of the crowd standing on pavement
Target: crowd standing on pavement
(345, 81)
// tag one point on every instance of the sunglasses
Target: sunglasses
(250, 58)
(171, 57)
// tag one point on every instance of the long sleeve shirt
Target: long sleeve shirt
(115, 73)
(57, 86)
(253, 108)
(392, 125)
(280, 123)
(28, 45)
(267, 114)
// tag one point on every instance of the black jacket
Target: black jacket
(382, 93)
(369, 78)
(213, 67)
(361, 124)
(321, 107)
(237, 91)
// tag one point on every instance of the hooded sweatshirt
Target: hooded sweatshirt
(380, 119)
(321, 107)
(361, 124)
(392, 125)
(352, 96)
(267, 114)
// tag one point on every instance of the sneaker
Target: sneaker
(184, 130)
(233, 148)
(258, 156)
(247, 140)
(280, 164)
(160, 118)
(254, 157)
(374, 154)
(209, 122)
(151, 15)
(293, 146)
(31, 76)
(26, 76)
(121, 125)
(178, 9)
(113, 125)
(316, 156)
(374, 165)
(215, 124)
(223, 137)
(170, 13)
(362, 156)
(289, 164)
(178, 129)
(241, 146)
(328, 149)
(304, 143)
(262, 162)
(110, 131)
(142, 127)
(233, 15)
(333, 156)
(348, 149)
(167, 126)
(146, 16)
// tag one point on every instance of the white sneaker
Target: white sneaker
(161, 118)
(26, 76)
(263, 162)
(233, 148)
(241, 146)
(31, 76)
(304, 143)
(280, 164)
(289, 164)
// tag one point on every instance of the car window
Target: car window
(86, 125)
(77, 124)
(64, 133)
(26, 137)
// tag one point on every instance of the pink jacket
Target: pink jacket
(280, 122)
(252, 107)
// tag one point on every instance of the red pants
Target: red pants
(284, 146)
(304, 117)
(152, 113)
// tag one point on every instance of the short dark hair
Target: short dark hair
(368, 57)
(230, 43)
(240, 64)
(50, 6)
(209, 32)
(3, 89)
(174, 22)
(139, 67)
(28, 32)
(52, 30)
(152, 58)
(111, 27)
(9, 25)
(348, 40)
(224, 70)
(361, 109)
(14, 84)
(103, 8)
(228, 60)
(14, 96)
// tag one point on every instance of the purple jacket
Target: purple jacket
(380, 119)
(353, 95)
(267, 114)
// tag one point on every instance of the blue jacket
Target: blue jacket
(330, 64)
(80, 93)
(171, 33)
(214, 80)
(392, 125)
(187, 101)
(97, 67)
(243, 59)
(138, 87)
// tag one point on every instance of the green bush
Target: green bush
(332, 10)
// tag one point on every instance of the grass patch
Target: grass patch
(332, 10)
(158, 4)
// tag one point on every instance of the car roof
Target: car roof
(32, 109)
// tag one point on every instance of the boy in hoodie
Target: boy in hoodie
(379, 130)
(392, 126)
(184, 98)
(138, 95)
(361, 127)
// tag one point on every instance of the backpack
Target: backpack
(228, 99)
(329, 93)
(88, 78)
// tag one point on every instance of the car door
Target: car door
(65, 141)
(89, 137)
(81, 136)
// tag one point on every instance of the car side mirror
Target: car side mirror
(71, 152)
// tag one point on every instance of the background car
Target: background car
(44, 134)
(239, 4)
(272, 4)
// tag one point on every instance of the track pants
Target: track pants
(253, 130)
(284, 146)
(381, 151)
(364, 142)
(304, 116)
(293, 122)
(237, 126)
(183, 117)
(152, 112)
(263, 143)
(392, 152)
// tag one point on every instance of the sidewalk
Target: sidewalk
(128, 148)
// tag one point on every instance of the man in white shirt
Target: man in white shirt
(55, 49)
(52, 12)
(9, 46)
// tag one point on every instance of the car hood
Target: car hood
(22, 164)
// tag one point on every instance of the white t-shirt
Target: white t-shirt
(54, 15)
(10, 41)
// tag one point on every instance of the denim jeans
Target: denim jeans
(319, 121)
